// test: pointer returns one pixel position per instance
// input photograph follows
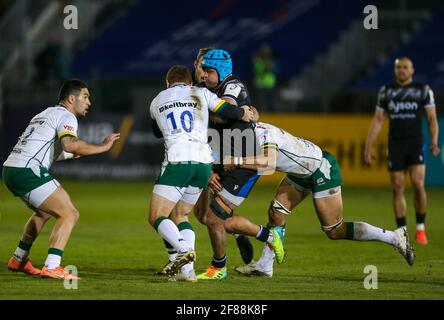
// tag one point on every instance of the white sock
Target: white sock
(53, 261)
(267, 258)
(363, 231)
(167, 229)
(190, 238)
(270, 237)
(20, 254)
(420, 226)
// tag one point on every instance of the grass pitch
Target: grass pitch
(117, 253)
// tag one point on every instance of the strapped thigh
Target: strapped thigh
(220, 208)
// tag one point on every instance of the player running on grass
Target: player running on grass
(180, 115)
(309, 170)
(50, 136)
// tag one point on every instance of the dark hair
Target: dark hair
(179, 73)
(72, 86)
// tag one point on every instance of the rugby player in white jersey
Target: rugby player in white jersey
(180, 115)
(50, 136)
(309, 170)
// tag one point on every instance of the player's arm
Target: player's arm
(232, 112)
(433, 129)
(74, 145)
(67, 155)
(216, 118)
(375, 129)
(253, 109)
(264, 162)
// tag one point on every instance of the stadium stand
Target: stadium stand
(296, 30)
(426, 50)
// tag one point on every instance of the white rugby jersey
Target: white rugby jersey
(39, 144)
(296, 156)
(181, 112)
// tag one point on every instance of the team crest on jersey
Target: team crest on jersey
(233, 90)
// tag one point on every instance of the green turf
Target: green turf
(117, 253)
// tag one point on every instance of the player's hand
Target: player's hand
(229, 163)
(214, 182)
(368, 156)
(256, 114)
(109, 140)
(248, 114)
(434, 149)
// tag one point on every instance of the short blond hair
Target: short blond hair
(202, 52)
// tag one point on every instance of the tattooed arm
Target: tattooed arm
(79, 147)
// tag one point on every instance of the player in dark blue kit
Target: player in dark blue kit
(229, 188)
(405, 101)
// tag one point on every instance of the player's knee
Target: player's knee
(418, 185)
(229, 226)
(334, 231)
(152, 219)
(333, 235)
(398, 187)
(74, 215)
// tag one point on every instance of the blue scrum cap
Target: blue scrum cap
(219, 60)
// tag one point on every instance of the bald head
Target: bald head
(404, 70)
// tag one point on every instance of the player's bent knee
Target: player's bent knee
(152, 219)
(220, 209)
(333, 232)
(74, 215)
(333, 235)
(229, 226)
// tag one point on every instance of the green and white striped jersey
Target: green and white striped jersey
(39, 144)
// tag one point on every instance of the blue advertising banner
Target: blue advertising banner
(435, 165)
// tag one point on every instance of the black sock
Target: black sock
(350, 227)
(263, 234)
(24, 245)
(401, 222)
(219, 263)
(420, 217)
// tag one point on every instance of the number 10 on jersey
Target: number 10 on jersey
(186, 120)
